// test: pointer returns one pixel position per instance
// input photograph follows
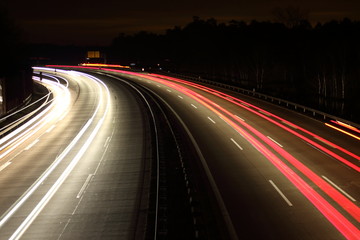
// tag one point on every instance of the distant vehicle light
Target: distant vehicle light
(102, 65)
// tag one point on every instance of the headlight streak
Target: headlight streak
(20, 135)
(346, 126)
(35, 212)
(343, 131)
(39, 123)
(329, 190)
(332, 214)
(31, 217)
(27, 106)
(13, 124)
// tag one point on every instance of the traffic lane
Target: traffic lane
(313, 125)
(299, 129)
(159, 86)
(318, 161)
(264, 126)
(224, 165)
(24, 161)
(101, 198)
(325, 182)
(33, 162)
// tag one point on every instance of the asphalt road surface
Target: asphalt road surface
(271, 173)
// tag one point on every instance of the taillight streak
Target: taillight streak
(335, 217)
(237, 101)
(344, 202)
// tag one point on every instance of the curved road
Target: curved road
(268, 173)
(99, 147)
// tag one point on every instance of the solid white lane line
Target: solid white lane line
(2, 167)
(180, 97)
(31, 145)
(240, 118)
(236, 144)
(211, 120)
(193, 106)
(338, 188)
(281, 194)
(50, 128)
(168, 90)
(84, 186)
(274, 141)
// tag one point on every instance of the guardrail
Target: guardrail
(291, 105)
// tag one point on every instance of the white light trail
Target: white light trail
(36, 211)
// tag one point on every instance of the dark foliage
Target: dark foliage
(15, 70)
(315, 66)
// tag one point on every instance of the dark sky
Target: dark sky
(98, 22)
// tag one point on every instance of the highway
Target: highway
(95, 145)
(253, 170)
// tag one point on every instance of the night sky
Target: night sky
(92, 22)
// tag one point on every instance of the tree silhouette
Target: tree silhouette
(15, 71)
(315, 66)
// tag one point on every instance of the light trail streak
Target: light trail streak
(31, 217)
(46, 97)
(346, 126)
(336, 218)
(248, 105)
(344, 202)
(343, 131)
(58, 107)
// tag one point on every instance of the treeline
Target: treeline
(15, 69)
(317, 66)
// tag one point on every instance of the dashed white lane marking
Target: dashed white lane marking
(274, 141)
(236, 144)
(86, 183)
(281, 194)
(107, 142)
(211, 120)
(180, 97)
(240, 118)
(31, 145)
(168, 90)
(193, 106)
(338, 188)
